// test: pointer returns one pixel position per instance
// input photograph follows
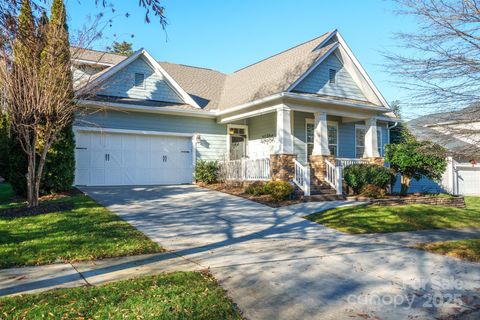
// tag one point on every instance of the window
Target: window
(332, 74)
(332, 129)
(139, 80)
(360, 141)
(332, 138)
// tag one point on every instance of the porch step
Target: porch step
(321, 190)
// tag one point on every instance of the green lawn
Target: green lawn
(180, 295)
(464, 249)
(87, 232)
(378, 219)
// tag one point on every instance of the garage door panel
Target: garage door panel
(128, 159)
(469, 181)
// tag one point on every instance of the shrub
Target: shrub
(372, 191)
(279, 190)
(206, 171)
(256, 189)
(59, 171)
(359, 175)
(414, 159)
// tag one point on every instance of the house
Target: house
(302, 113)
(459, 132)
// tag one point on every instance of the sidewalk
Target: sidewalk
(16, 281)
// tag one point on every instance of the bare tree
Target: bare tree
(439, 64)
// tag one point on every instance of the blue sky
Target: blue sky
(228, 35)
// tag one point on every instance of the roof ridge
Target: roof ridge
(191, 66)
(101, 51)
(281, 52)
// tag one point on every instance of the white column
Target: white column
(371, 142)
(284, 131)
(320, 136)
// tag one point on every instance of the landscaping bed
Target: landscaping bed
(412, 217)
(179, 295)
(238, 189)
(395, 200)
(79, 230)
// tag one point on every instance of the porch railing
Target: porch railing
(345, 162)
(246, 169)
(334, 176)
(302, 177)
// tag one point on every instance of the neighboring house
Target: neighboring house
(459, 132)
(148, 121)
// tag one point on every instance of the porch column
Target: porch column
(282, 166)
(320, 137)
(284, 131)
(371, 142)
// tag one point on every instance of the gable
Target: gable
(318, 81)
(156, 87)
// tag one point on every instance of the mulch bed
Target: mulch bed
(42, 208)
(239, 191)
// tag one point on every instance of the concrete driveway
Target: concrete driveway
(276, 265)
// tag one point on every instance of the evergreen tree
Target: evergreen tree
(25, 52)
(123, 48)
(59, 168)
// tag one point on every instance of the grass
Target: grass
(378, 219)
(88, 231)
(464, 249)
(179, 295)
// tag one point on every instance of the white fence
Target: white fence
(302, 177)
(246, 169)
(345, 162)
(334, 176)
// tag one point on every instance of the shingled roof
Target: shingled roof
(212, 89)
(95, 56)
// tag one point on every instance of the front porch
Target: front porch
(304, 144)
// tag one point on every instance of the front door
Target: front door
(238, 142)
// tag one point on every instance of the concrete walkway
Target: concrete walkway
(276, 265)
(16, 281)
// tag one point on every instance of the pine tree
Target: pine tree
(25, 53)
(59, 168)
(123, 48)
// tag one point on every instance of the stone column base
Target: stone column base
(282, 167)
(376, 160)
(318, 166)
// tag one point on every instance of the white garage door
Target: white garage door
(105, 159)
(469, 181)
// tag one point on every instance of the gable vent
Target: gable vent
(332, 75)
(139, 80)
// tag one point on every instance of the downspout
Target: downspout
(389, 128)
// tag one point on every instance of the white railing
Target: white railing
(334, 176)
(345, 162)
(246, 169)
(302, 177)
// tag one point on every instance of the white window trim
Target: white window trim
(379, 141)
(312, 121)
(238, 126)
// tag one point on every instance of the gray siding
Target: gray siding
(300, 136)
(318, 81)
(262, 127)
(156, 88)
(212, 144)
(261, 135)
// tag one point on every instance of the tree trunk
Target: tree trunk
(405, 184)
(31, 198)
